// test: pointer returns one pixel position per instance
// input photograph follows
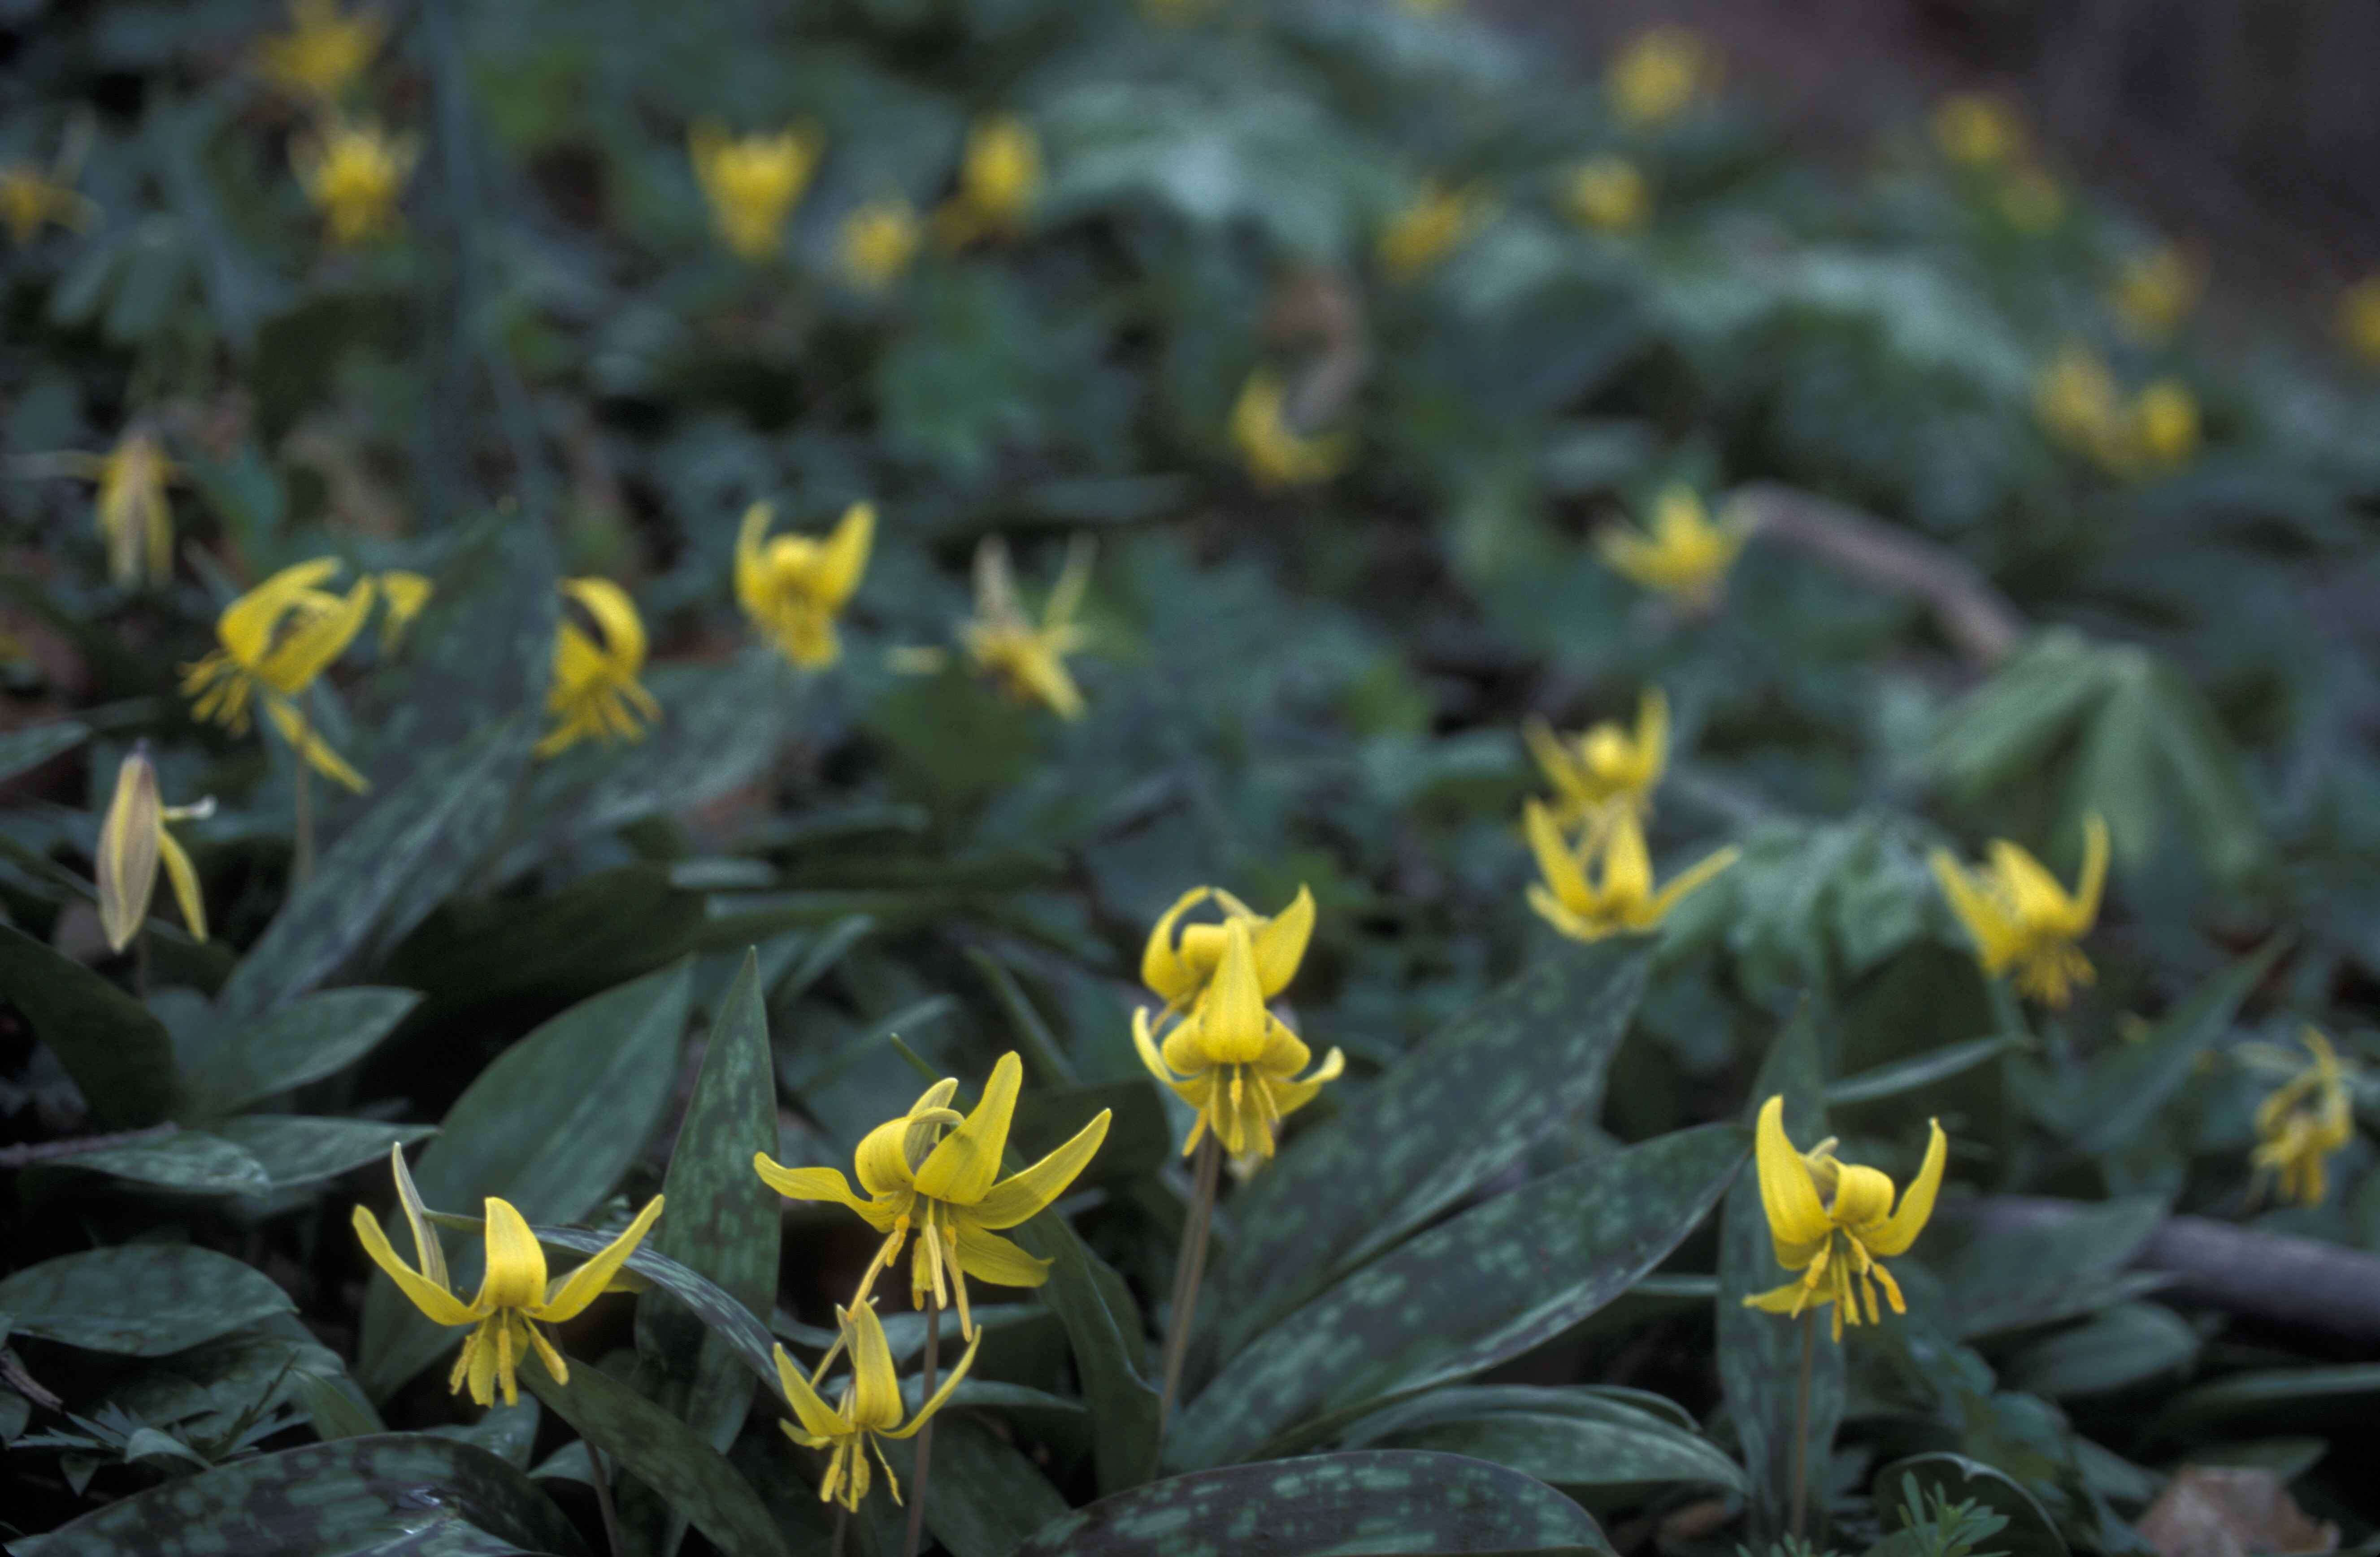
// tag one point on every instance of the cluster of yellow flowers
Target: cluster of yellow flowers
(352, 170)
(2081, 407)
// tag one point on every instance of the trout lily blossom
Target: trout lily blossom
(1000, 177)
(752, 183)
(1179, 961)
(2020, 918)
(1026, 661)
(132, 842)
(353, 173)
(1609, 194)
(1835, 1223)
(1229, 1056)
(1604, 766)
(876, 244)
(1603, 885)
(595, 692)
(273, 642)
(868, 1409)
(1277, 454)
(134, 518)
(1659, 76)
(1685, 555)
(2304, 1120)
(323, 53)
(794, 587)
(1429, 229)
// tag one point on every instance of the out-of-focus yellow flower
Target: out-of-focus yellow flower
(1835, 1222)
(2031, 200)
(322, 52)
(1584, 908)
(998, 178)
(134, 519)
(869, 1407)
(794, 587)
(31, 199)
(132, 842)
(1977, 129)
(1275, 453)
(1658, 76)
(2020, 918)
(1028, 663)
(2358, 320)
(595, 691)
(878, 242)
(406, 594)
(2077, 402)
(353, 173)
(1604, 766)
(1685, 556)
(1179, 963)
(2155, 291)
(1429, 229)
(273, 642)
(2164, 425)
(2304, 1120)
(1229, 1057)
(1609, 194)
(753, 182)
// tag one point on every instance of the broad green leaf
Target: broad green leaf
(1919, 1070)
(1103, 1327)
(2017, 717)
(335, 1413)
(726, 1317)
(1759, 1353)
(2010, 1278)
(665, 1454)
(985, 1497)
(327, 1499)
(23, 750)
(2031, 1532)
(117, 1052)
(1458, 1111)
(295, 1151)
(550, 1126)
(1467, 1295)
(138, 1299)
(1574, 1438)
(2121, 1345)
(2285, 1397)
(509, 1433)
(1368, 1500)
(562, 945)
(191, 1161)
(2125, 1089)
(304, 1040)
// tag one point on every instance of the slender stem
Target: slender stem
(925, 1434)
(842, 1529)
(1802, 1423)
(302, 866)
(1189, 1269)
(602, 1479)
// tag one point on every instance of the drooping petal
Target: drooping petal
(127, 858)
(246, 627)
(844, 558)
(1652, 737)
(941, 1393)
(1026, 1194)
(1627, 883)
(817, 1418)
(1796, 1219)
(588, 1281)
(2033, 893)
(752, 591)
(1146, 1044)
(1234, 1025)
(1288, 1097)
(1565, 878)
(818, 1184)
(1280, 943)
(1985, 920)
(1900, 1229)
(1687, 880)
(1285, 1054)
(961, 1168)
(615, 616)
(875, 1388)
(312, 749)
(1559, 915)
(516, 1277)
(1862, 1196)
(441, 1306)
(2094, 880)
(407, 593)
(290, 666)
(185, 878)
(1553, 759)
(1162, 966)
(987, 1256)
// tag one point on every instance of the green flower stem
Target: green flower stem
(1802, 1423)
(925, 1434)
(1189, 1268)
(601, 1477)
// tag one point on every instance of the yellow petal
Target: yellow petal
(1899, 1230)
(1146, 1044)
(428, 1252)
(615, 615)
(941, 1394)
(962, 1165)
(1559, 915)
(752, 591)
(245, 628)
(1688, 881)
(312, 749)
(185, 878)
(882, 1165)
(407, 593)
(441, 1306)
(818, 1184)
(1983, 917)
(1234, 1025)
(1024, 1194)
(1280, 943)
(516, 1277)
(845, 556)
(1653, 735)
(128, 848)
(2094, 880)
(588, 1281)
(320, 637)
(1565, 878)
(875, 1388)
(1162, 966)
(817, 1418)
(1074, 582)
(987, 1256)
(1288, 1097)
(1795, 1216)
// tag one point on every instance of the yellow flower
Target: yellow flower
(878, 242)
(999, 177)
(1834, 1222)
(2020, 917)
(2164, 425)
(794, 587)
(406, 594)
(753, 182)
(514, 1297)
(1229, 1056)
(132, 513)
(1179, 967)
(1609, 194)
(1604, 766)
(942, 1186)
(1657, 74)
(353, 173)
(1977, 129)
(31, 199)
(2303, 1121)
(322, 52)
(1275, 453)
(1026, 661)
(132, 841)
(2031, 200)
(595, 691)
(1585, 909)
(2155, 291)
(1429, 229)
(869, 1409)
(1687, 558)
(2078, 404)
(2358, 320)
(273, 642)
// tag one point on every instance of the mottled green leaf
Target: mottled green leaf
(335, 1413)
(191, 1161)
(2122, 1346)
(1917, 1071)
(117, 1052)
(711, 1302)
(509, 1433)
(1574, 1438)
(355, 1496)
(2124, 1090)
(294, 1150)
(2009, 1278)
(1103, 1327)
(138, 1299)
(1466, 1295)
(23, 750)
(2290, 1397)
(2030, 1532)
(303, 1040)
(1456, 1112)
(984, 1496)
(1370, 1500)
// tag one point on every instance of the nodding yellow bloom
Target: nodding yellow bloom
(1658, 76)
(132, 842)
(1609, 194)
(595, 691)
(1429, 229)
(31, 199)
(1571, 901)
(1685, 558)
(2304, 1120)
(2020, 918)
(999, 175)
(354, 172)
(2079, 405)
(513, 1299)
(753, 182)
(322, 52)
(794, 586)
(2165, 426)
(868, 1408)
(1604, 766)
(1275, 453)
(2031, 200)
(1977, 129)
(877, 243)
(2358, 320)
(1835, 1222)
(273, 642)
(1229, 1056)
(134, 518)
(2155, 291)
(933, 1171)
(406, 594)
(1179, 960)
(1028, 663)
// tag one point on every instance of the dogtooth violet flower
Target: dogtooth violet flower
(877, 242)
(1428, 230)
(1604, 766)
(868, 1409)
(2020, 918)
(1835, 1223)
(132, 842)
(936, 1172)
(1658, 76)
(2155, 291)
(1576, 903)
(135, 520)
(273, 641)
(1179, 961)
(353, 173)
(595, 692)
(406, 593)
(1229, 1056)
(1275, 453)
(322, 52)
(1028, 663)
(31, 199)
(2164, 427)
(793, 586)
(1609, 194)
(1685, 556)
(1000, 174)
(515, 1296)
(2304, 1120)
(752, 183)
(1975, 130)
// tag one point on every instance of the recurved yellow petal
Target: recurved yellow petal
(1028, 1193)
(441, 1306)
(1900, 1229)
(1796, 1218)
(817, 1418)
(185, 878)
(590, 1281)
(128, 846)
(961, 1168)
(942, 1396)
